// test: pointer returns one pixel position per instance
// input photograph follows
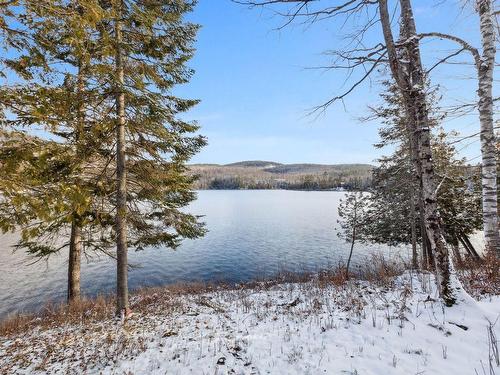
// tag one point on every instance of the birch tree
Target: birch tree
(484, 62)
(410, 79)
(409, 76)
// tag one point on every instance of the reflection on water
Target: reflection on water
(251, 234)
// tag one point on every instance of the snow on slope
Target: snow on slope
(305, 328)
(477, 240)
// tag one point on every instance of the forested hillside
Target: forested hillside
(271, 175)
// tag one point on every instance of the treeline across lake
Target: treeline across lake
(271, 175)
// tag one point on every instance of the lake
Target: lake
(252, 234)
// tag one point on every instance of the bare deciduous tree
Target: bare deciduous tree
(484, 62)
(409, 76)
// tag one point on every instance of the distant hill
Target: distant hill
(259, 174)
(317, 168)
(254, 163)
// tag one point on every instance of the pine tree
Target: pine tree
(392, 204)
(459, 194)
(58, 182)
(353, 216)
(396, 179)
(11, 35)
(148, 46)
(66, 182)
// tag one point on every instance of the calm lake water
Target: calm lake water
(252, 234)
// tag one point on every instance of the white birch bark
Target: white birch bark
(411, 83)
(485, 69)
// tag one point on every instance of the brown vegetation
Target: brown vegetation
(379, 271)
(480, 278)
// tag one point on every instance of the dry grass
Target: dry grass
(143, 301)
(187, 322)
(88, 311)
(382, 271)
(81, 312)
(87, 336)
(480, 278)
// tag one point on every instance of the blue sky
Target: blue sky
(256, 89)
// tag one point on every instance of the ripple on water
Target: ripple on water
(251, 234)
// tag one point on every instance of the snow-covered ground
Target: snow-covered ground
(304, 328)
(477, 240)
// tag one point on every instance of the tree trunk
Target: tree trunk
(468, 245)
(456, 252)
(350, 253)
(425, 248)
(417, 98)
(415, 185)
(74, 262)
(488, 139)
(75, 246)
(430, 257)
(426, 245)
(471, 247)
(411, 83)
(122, 305)
(413, 219)
(427, 258)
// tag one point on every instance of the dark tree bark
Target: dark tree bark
(456, 252)
(464, 240)
(74, 262)
(353, 240)
(413, 217)
(415, 193)
(122, 304)
(75, 246)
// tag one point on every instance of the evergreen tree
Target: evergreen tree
(59, 182)
(148, 44)
(393, 206)
(398, 179)
(77, 90)
(459, 194)
(354, 217)
(11, 35)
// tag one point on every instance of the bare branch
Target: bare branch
(465, 45)
(445, 59)
(301, 9)
(323, 106)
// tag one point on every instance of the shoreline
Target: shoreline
(390, 324)
(283, 275)
(285, 189)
